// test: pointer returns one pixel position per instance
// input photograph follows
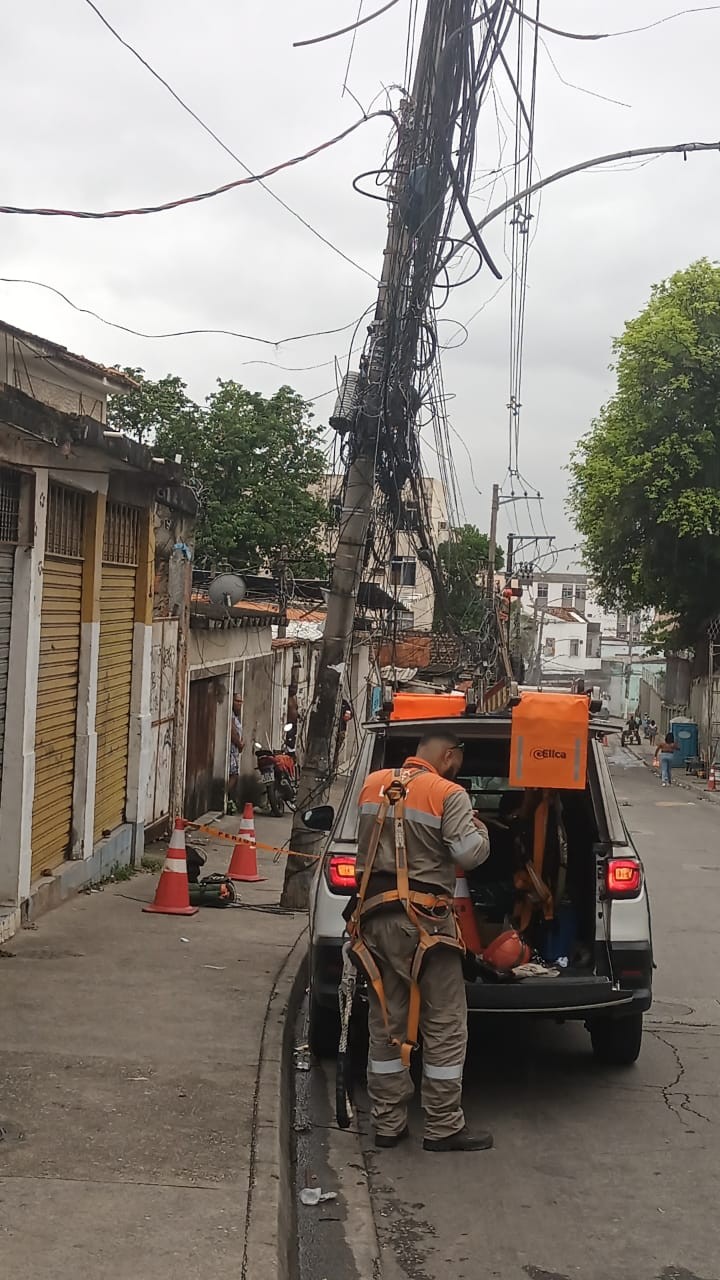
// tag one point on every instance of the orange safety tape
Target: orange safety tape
(268, 848)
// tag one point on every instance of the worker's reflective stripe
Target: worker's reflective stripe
(389, 1068)
(423, 817)
(370, 806)
(473, 841)
(443, 1073)
(178, 865)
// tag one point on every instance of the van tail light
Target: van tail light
(623, 877)
(341, 872)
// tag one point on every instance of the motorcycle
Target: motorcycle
(279, 773)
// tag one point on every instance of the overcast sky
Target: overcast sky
(86, 126)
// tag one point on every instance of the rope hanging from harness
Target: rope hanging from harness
(532, 889)
(414, 903)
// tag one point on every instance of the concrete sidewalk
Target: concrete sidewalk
(687, 781)
(133, 1129)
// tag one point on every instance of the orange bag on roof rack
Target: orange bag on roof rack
(427, 706)
(549, 741)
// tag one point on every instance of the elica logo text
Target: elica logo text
(548, 753)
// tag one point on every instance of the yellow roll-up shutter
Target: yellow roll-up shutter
(9, 517)
(117, 620)
(58, 673)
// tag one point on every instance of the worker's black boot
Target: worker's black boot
(463, 1140)
(391, 1139)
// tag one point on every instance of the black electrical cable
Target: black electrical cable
(183, 333)
(228, 150)
(612, 35)
(343, 31)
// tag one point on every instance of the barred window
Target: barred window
(9, 505)
(65, 521)
(122, 534)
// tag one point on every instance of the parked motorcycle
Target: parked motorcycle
(279, 773)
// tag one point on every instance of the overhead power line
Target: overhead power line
(343, 31)
(611, 35)
(676, 148)
(184, 333)
(228, 150)
(202, 195)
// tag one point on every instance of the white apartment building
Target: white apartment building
(567, 590)
(405, 576)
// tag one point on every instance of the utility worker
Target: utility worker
(416, 826)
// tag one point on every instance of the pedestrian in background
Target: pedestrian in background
(237, 742)
(652, 732)
(664, 752)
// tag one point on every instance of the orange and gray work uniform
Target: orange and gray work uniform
(437, 834)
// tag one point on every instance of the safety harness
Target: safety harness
(533, 892)
(416, 905)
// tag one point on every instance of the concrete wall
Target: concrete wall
(240, 660)
(66, 389)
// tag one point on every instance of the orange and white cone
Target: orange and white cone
(465, 913)
(243, 863)
(172, 896)
(711, 786)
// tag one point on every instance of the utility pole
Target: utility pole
(508, 580)
(281, 568)
(492, 541)
(335, 652)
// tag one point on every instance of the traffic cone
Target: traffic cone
(465, 913)
(243, 863)
(172, 897)
(711, 778)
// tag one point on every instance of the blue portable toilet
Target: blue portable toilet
(685, 733)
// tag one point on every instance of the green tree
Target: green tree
(144, 412)
(464, 561)
(254, 461)
(645, 488)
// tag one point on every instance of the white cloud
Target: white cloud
(91, 128)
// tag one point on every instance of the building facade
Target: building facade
(88, 522)
(404, 575)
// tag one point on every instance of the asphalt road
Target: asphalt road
(597, 1174)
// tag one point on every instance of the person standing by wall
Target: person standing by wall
(237, 742)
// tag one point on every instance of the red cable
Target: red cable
(203, 195)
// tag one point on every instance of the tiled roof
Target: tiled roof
(121, 381)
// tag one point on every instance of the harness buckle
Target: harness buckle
(396, 791)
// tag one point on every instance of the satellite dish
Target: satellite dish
(228, 589)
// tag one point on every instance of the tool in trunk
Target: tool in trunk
(343, 1075)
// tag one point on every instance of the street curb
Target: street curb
(686, 786)
(270, 1230)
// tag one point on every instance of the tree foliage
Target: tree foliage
(254, 461)
(143, 413)
(645, 489)
(464, 560)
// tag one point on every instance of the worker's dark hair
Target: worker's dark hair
(439, 735)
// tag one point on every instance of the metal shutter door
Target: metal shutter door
(117, 624)
(56, 712)
(112, 718)
(7, 563)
